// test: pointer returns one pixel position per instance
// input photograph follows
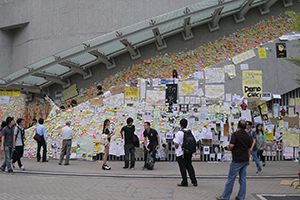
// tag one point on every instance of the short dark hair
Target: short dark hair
(129, 120)
(9, 119)
(183, 123)
(41, 121)
(34, 120)
(99, 87)
(242, 124)
(3, 124)
(19, 121)
(74, 102)
(248, 123)
(62, 107)
(148, 123)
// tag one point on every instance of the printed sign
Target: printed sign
(281, 50)
(252, 83)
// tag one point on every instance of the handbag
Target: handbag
(103, 139)
(37, 137)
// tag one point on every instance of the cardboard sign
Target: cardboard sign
(117, 89)
(253, 104)
(293, 121)
(96, 102)
(70, 92)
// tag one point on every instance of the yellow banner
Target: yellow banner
(10, 92)
(70, 92)
(252, 83)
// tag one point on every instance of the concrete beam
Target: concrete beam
(287, 3)
(160, 42)
(101, 57)
(187, 29)
(134, 53)
(239, 16)
(74, 67)
(264, 9)
(216, 16)
(50, 78)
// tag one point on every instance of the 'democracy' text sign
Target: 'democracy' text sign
(252, 83)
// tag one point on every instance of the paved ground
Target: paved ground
(86, 180)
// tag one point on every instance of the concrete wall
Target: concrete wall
(56, 25)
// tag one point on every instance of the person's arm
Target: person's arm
(254, 140)
(265, 140)
(44, 133)
(158, 140)
(2, 143)
(232, 142)
(145, 142)
(15, 135)
(177, 140)
(121, 132)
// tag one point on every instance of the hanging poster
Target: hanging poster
(214, 75)
(155, 97)
(132, 95)
(252, 83)
(10, 92)
(188, 87)
(281, 50)
(171, 94)
(70, 92)
(214, 92)
(115, 101)
(230, 70)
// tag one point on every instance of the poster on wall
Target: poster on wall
(115, 101)
(214, 92)
(132, 95)
(70, 92)
(281, 50)
(10, 92)
(171, 94)
(155, 97)
(188, 87)
(252, 83)
(214, 75)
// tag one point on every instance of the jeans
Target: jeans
(236, 168)
(8, 153)
(255, 158)
(66, 149)
(185, 164)
(129, 149)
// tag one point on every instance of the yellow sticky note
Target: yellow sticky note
(262, 53)
(269, 137)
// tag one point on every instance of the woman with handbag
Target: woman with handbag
(106, 150)
(261, 143)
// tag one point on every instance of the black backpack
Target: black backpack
(189, 142)
(136, 141)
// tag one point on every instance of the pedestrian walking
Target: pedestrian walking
(41, 131)
(3, 124)
(260, 143)
(19, 136)
(106, 131)
(240, 145)
(8, 144)
(127, 132)
(154, 141)
(253, 149)
(67, 136)
(184, 160)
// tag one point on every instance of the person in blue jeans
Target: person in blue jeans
(8, 144)
(240, 145)
(252, 134)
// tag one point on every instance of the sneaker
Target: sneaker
(125, 168)
(236, 198)
(10, 172)
(259, 172)
(105, 167)
(132, 168)
(143, 166)
(264, 164)
(22, 168)
(221, 198)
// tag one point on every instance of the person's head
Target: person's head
(68, 123)
(62, 108)
(242, 125)
(21, 122)
(99, 87)
(183, 123)
(258, 128)
(34, 120)
(10, 121)
(3, 124)
(74, 102)
(41, 121)
(129, 121)
(147, 125)
(248, 125)
(174, 73)
(106, 124)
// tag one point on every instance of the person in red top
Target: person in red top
(240, 145)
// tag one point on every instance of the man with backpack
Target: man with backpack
(19, 135)
(185, 146)
(128, 132)
(154, 139)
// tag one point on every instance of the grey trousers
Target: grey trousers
(66, 148)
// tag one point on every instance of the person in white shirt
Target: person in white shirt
(19, 136)
(184, 160)
(67, 136)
